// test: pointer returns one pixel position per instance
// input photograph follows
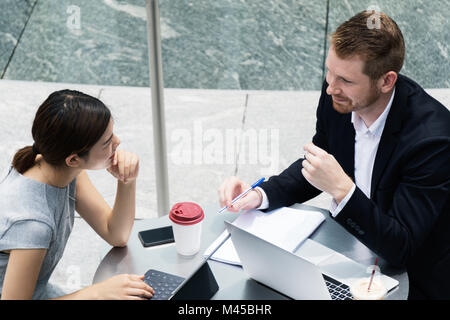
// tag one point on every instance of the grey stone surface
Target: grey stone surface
(251, 45)
(262, 45)
(206, 44)
(13, 16)
(105, 44)
(202, 134)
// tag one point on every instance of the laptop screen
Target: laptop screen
(201, 285)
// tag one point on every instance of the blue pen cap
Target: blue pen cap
(257, 183)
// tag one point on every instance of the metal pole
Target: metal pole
(157, 87)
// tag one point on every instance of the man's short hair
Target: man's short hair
(373, 36)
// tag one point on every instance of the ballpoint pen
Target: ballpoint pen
(257, 183)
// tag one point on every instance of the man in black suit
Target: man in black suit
(381, 150)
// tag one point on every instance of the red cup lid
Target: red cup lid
(186, 213)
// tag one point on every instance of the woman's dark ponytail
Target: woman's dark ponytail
(24, 159)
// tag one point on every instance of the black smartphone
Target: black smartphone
(155, 237)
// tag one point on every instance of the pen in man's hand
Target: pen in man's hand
(257, 183)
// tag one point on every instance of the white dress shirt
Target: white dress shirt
(366, 146)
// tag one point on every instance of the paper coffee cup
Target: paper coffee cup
(359, 290)
(187, 218)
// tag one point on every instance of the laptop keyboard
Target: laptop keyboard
(338, 290)
(163, 283)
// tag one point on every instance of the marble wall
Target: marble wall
(13, 16)
(229, 44)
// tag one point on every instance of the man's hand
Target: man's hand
(323, 171)
(231, 188)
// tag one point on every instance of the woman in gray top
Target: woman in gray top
(72, 132)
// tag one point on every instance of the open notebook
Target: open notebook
(285, 227)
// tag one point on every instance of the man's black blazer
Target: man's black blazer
(406, 221)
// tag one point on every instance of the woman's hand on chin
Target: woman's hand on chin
(125, 166)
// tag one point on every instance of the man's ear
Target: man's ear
(388, 81)
(73, 161)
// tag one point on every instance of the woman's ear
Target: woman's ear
(73, 161)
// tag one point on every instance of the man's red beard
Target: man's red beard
(345, 107)
(348, 106)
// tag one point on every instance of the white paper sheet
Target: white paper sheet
(284, 227)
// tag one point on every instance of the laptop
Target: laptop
(284, 271)
(200, 285)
